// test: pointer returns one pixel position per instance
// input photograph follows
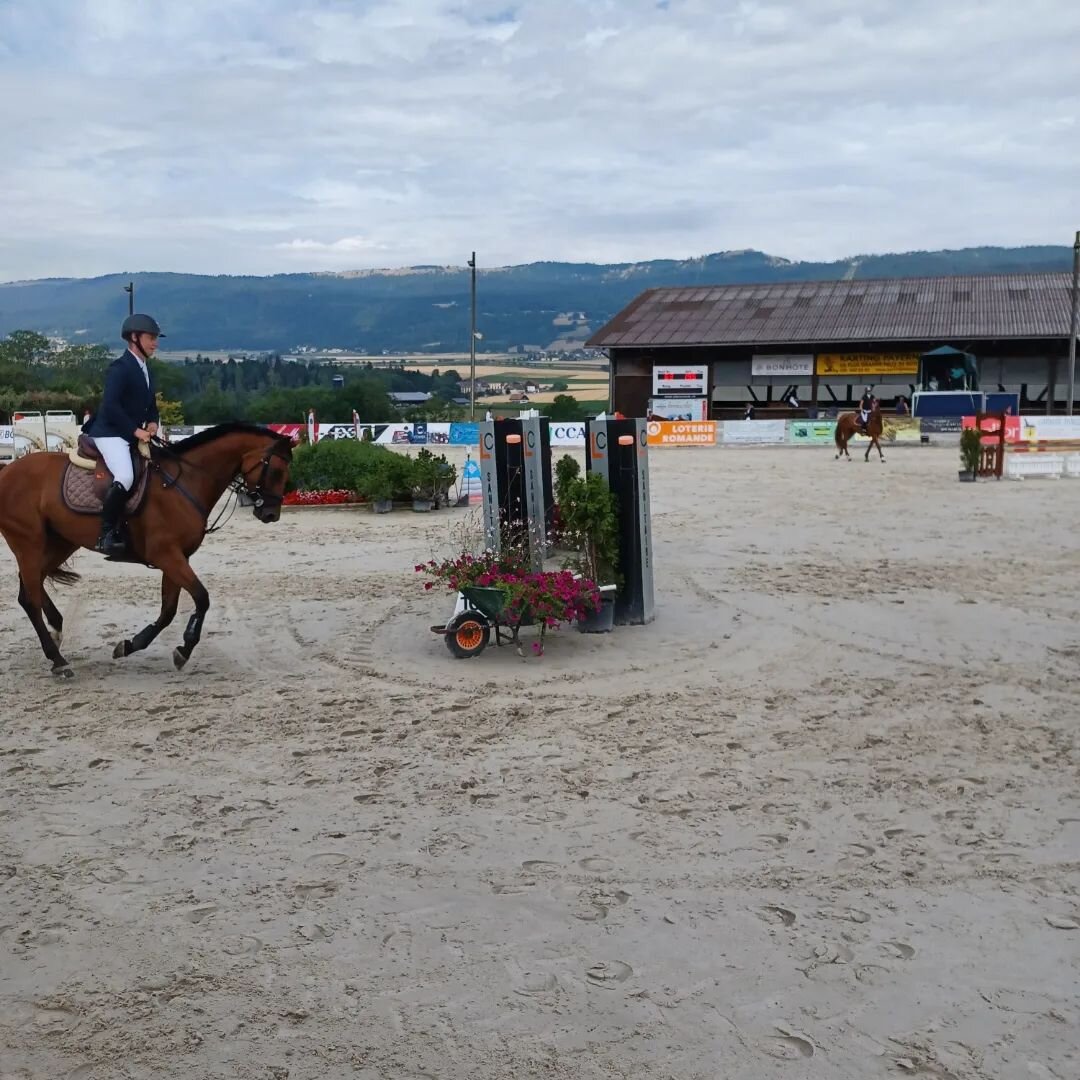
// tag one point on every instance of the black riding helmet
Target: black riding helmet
(139, 324)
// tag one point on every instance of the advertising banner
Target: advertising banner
(676, 433)
(859, 364)
(749, 432)
(1038, 428)
(336, 431)
(462, 434)
(941, 425)
(1012, 427)
(471, 486)
(782, 365)
(811, 432)
(291, 430)
(678, 409)
(567, 434)
(902, 429)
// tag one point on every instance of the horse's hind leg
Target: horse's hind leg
(170, 597)
(32, 600)
(52, 617)
(56, 553)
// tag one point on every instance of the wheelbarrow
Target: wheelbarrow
(480, 610)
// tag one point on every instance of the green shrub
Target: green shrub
(588, 512)
(971, 449)
(346, 464)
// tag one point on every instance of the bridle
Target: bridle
(238, 485)
(255, 493)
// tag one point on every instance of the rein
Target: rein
(237, 486)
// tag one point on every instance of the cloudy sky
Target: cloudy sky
(265, 136)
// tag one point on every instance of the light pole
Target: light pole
(1072, 324)
(472, 343)
(129, 288)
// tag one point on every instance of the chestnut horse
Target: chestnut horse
(186, 480)
(847, 427)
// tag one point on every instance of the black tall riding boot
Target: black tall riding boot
(111, 540)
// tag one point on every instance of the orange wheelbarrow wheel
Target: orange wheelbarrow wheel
(467, 634)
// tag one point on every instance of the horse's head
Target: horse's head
(265, 472)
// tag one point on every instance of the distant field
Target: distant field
(518, 373)
(583, 393)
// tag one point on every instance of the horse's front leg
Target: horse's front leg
(170, 597)
(178, 570)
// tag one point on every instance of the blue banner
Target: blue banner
(462, 434)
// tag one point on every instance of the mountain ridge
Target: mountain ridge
(424, 308)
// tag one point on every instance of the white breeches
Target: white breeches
(117, 455)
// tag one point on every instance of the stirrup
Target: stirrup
(111, 544)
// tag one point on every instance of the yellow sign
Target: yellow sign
(867, 364)
(681, 433)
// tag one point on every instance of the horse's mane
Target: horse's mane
(219, 431)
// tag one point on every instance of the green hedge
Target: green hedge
(371, 471)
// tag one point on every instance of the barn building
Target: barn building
(823, 341)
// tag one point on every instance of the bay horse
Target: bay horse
(186, 480)
(847, 427)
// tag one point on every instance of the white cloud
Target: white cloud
(258, 136)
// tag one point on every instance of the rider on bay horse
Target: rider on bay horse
(127, 415)
(866, 407)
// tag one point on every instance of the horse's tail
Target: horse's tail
(64, 577)
(836, 434)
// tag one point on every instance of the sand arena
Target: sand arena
(820, 820)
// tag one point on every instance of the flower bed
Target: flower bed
(333, 497)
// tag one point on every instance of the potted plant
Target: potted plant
(377, 485)
(423, 477)
(445, 478)
(431, 477)
(589, 527)
(970, 453)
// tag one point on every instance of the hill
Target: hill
(426, 309)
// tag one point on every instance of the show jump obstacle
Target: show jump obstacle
(518, 499)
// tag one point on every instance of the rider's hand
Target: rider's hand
(152, 428)
(142, 434)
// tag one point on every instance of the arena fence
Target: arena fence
(1024, 434)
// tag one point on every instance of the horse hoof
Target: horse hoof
(178, 659)
(63, 672)
(123, 648)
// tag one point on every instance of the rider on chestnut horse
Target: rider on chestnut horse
(866, 407)
(127, 416)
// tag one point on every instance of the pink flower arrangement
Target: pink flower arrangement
(546, 598)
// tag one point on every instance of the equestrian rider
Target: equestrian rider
(866, 405)
(127, 416)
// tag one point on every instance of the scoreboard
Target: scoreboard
(684, 382)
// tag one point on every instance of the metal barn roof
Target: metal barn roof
(894, 309)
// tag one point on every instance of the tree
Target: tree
(564, 408)
(559, 385)
(170, 413)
